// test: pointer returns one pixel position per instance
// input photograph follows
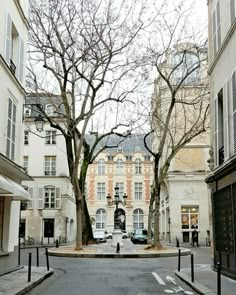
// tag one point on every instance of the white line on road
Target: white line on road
(156, 276)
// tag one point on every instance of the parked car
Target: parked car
(139, 235)
(108, 235)
(99, 236)
(124, 234)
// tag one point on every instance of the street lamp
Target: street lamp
(116, 201)
(39, 123)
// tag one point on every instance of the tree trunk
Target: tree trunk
(150, 217)
(87, 228)
(78, 244)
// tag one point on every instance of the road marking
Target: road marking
(156, 276)
(168, 278)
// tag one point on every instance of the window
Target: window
(101, 167)
(52, 197)
(14, 49)
(30, 203)
(138, 190)
(216, 27)
(48, 225)
(49, 109)
(50, 137)
(100, 219)
(128, 158)
(138, 166)
(219, 128)
(27, 110)
(147, 158)
(11, 130)
(187, 71)
(189, 217)
(110, 158)
(22, 228)
(101, 191)
(138, 218)
(26, 137)
(119, 149)
(119, 166)
(26, 163)
(50, 165)
(120, 185)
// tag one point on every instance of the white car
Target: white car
(108, 235)
(99, 236)
(124, 234)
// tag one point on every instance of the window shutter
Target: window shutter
(21, 61)
(30, 202)
(216, 132)
(234, 108)
(41, 198)
(58, 198)
(226, 121)
(214, 33)
(8, 39)
(218, 25)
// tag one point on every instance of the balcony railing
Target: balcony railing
(12, 67)
(221, 155)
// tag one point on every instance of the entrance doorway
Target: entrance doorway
(120, 219)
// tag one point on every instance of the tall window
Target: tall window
(219, 128)
(101, 191)
(216, 28)
(11, 130)
(138, 219)
(138, 166)
(26, 163)
(48, 225)
(138, 190)
(121, 189)
(26, 137)
(119, 166)
(50, 165)
(101, 167)
(52, 197)
(50, 137)
(100, 219)
(189, 217)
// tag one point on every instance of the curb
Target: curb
(34, 284)
(194, 285)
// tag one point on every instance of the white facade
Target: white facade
(13, 38)
(50, 215)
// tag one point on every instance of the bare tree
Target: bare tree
(84, 52)
(180, 102)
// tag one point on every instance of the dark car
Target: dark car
(139, 235)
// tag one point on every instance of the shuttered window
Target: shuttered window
(21, 61)
(216, 29)
(8, 40)
(11, 130)
(234, 109)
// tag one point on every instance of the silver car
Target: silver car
(99, 236)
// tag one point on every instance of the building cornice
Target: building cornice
(21, 12)
(224, 44)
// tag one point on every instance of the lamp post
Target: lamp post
(169, 230)
(116, 234)
(39, 123)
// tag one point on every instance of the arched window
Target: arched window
(138, 166)
(138, 218)
(100, 218)
(101, 167)
(187, 66)
(119, 166)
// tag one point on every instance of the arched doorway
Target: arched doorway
(120, 219)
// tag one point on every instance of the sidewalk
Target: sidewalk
(16, 283)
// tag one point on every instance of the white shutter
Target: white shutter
(216, 128)
(21, 61)
(58, 198)
(226, 122)
(41, 198)
(234, 108)
(214, 33)
(218, 25)
(8, 39)
(30, 202)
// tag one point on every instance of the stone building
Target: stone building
(13, 39)
(222, 180)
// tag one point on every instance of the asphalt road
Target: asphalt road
(83, 276)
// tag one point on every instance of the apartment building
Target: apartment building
(13, 38)
(50, 214)
(184, 203)
(128, 167)
(222, 180)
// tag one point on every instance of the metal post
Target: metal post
(47, 260)
(169, 230)
(29, 267)
(118, 248)
(179, 257)
(37, 256)
(218, 278)
(192, 268)
(19, 249)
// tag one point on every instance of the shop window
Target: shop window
(48, 228)
(189, 217)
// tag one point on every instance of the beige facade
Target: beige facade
(130, 168)
(184, 196)
(222, 71)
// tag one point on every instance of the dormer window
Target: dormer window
(119, 149)
(49, 109)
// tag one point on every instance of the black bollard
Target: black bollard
(179, 257)
(47, 260)
(192, 268)
(118, 248)
(37, 256)
(177, 242)
(57, 243)
(29, 267)
(218, 278)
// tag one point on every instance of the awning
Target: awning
(9, 187)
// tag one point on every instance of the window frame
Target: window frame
(50, 162)
(138, 191)
(101, 191)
